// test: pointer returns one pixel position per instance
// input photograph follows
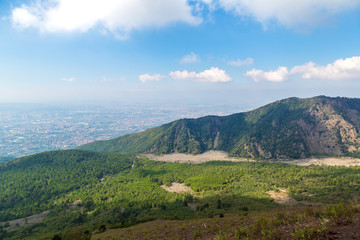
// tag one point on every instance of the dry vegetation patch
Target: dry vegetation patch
(282, 197)
(178, 188)
(291, 223)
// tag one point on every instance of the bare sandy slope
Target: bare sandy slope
(330, 161)
(178, 188)
(282, 197)
(199, 158)
(37, 218)
(223, 156)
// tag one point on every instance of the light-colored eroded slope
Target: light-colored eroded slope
(223, 156)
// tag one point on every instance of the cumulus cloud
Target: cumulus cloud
(117, 17)
(239, 62)
(71, 79)
(341, 69)
(151, 78)
(213, 75)
(110, 80)
(190, 58)
(280, 75)
(308, 13)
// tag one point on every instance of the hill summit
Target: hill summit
(286, 129)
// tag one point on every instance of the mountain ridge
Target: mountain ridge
(291, 128)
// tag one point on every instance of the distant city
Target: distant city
(28, 129)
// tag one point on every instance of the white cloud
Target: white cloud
(71, 79)
(151, 78)
(290, 13)
(341, 69)
(280, 75)
(213, 75)
(239, 62)
(190, 58)
(110, 80)
(117, 17)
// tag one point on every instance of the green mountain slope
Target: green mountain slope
(30, 185)
(83, 191)
(289, 128)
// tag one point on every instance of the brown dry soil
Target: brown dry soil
(347, 232)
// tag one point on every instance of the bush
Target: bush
(102, 228)
(56, 237)
(306, 232)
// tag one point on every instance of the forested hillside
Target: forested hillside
(4, 159)
(86, 190)
(30, 184)
(290, 128)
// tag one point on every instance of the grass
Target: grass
(298, 223)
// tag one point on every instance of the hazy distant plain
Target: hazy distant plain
(32, 128)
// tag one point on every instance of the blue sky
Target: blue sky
(204, 51)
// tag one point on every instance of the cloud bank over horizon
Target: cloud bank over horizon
(340, 69)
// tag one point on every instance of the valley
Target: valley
(195, 178)
(179, 120)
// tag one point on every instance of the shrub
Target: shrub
(56, 237)
(102, 228)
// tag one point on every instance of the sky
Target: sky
(178, 51)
